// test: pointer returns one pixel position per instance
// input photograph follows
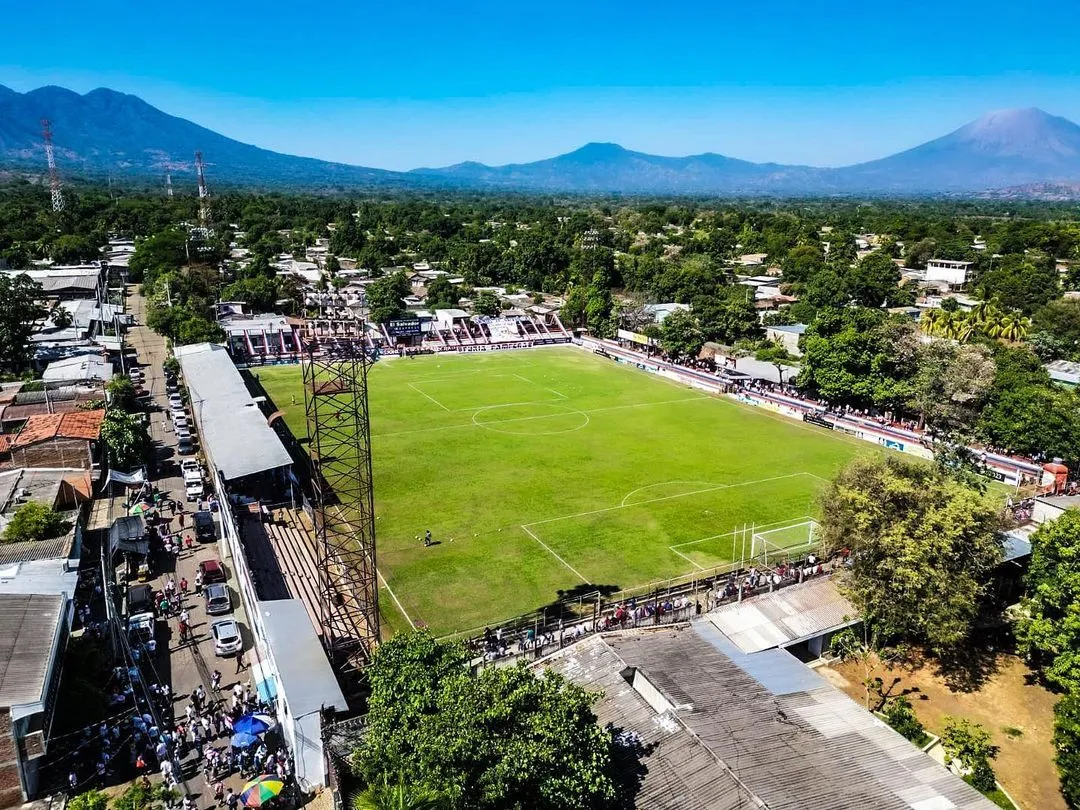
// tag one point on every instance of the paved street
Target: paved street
(189, 665)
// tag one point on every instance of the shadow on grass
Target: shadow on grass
(577, 602)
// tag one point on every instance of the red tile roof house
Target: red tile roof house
(59, 440)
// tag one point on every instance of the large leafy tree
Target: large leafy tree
(681, 335)
(385, 297)
(874, 280)
(34, 521)
(1067, 746)
(502, 738)
(951, 386)
(922, 546)
(859, 357)
(164, 251)
(126, 439)
(969, 743)
(1049, 625)
(19, 310)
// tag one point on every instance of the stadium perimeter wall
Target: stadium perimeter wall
(1002, 468)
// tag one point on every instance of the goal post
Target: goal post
(788, 541)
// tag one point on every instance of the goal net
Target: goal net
(786, 542)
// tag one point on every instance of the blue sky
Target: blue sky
(404, 84)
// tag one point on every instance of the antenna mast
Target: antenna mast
(168, 183)
(54, 176)
(204, 195)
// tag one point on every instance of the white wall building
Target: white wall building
(953, 273)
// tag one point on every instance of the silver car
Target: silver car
(217, 599)
(226, 635)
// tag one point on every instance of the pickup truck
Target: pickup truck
(193, 484)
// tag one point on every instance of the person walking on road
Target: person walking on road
(240, 661)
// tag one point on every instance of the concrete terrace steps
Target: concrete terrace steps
(295, 549)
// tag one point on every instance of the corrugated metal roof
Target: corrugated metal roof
(28, 624)
(234, 432)
(784, 616)
(788, 737)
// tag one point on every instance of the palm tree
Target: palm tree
(993, 323)
(1014, 327)
(930, 321)
(400, 796)
(965, 328)
(950, 325)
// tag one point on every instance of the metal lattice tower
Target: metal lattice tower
(54, 176)
(168, 184)
(204, 194)
(335, 367)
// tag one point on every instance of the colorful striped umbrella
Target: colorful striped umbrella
(260, 789)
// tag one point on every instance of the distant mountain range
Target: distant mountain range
(108, 133)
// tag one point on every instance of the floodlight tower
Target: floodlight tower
(54, 176)
(204, 194)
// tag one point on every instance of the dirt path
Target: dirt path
(1006, 699)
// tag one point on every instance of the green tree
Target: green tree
(859, 357)
(136, 797)
(486, 303)
(777, 354)
(500, 738)
(441, 294)
(1048, 626)
(19, 311)
(1061, 320)
(802, 263)
(197, 329)
(1067, 746)
(951, 386)
(73, 249)
(1020, 283)
(126, 439)
(259, 293)
(901, 717)
(386, 298)
(969, 744)
(164, 251)
(399, 795)
(909, 528)
(121, 392)
(35, 521)
(874, 280)
(61, 316)
(681, 335)
(90, 800)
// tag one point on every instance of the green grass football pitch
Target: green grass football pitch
(543, 471)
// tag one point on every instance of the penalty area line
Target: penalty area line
(428, 396)
(698, 567)
(551, 551)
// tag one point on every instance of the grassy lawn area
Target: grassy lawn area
(540, 471)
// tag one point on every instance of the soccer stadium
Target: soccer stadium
(551, 471)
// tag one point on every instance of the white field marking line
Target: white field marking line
(553, 554)
(663, 484)
(524, 418)
(428, 396)
(780, 524)
(504, 405)
(488, 425)
(698, 567)
(542, 387)
(397, 601)
(666, 498)
(456, 377)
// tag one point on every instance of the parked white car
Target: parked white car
(226, 635)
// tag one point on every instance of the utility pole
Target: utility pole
(54, 176)
(204, 194)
